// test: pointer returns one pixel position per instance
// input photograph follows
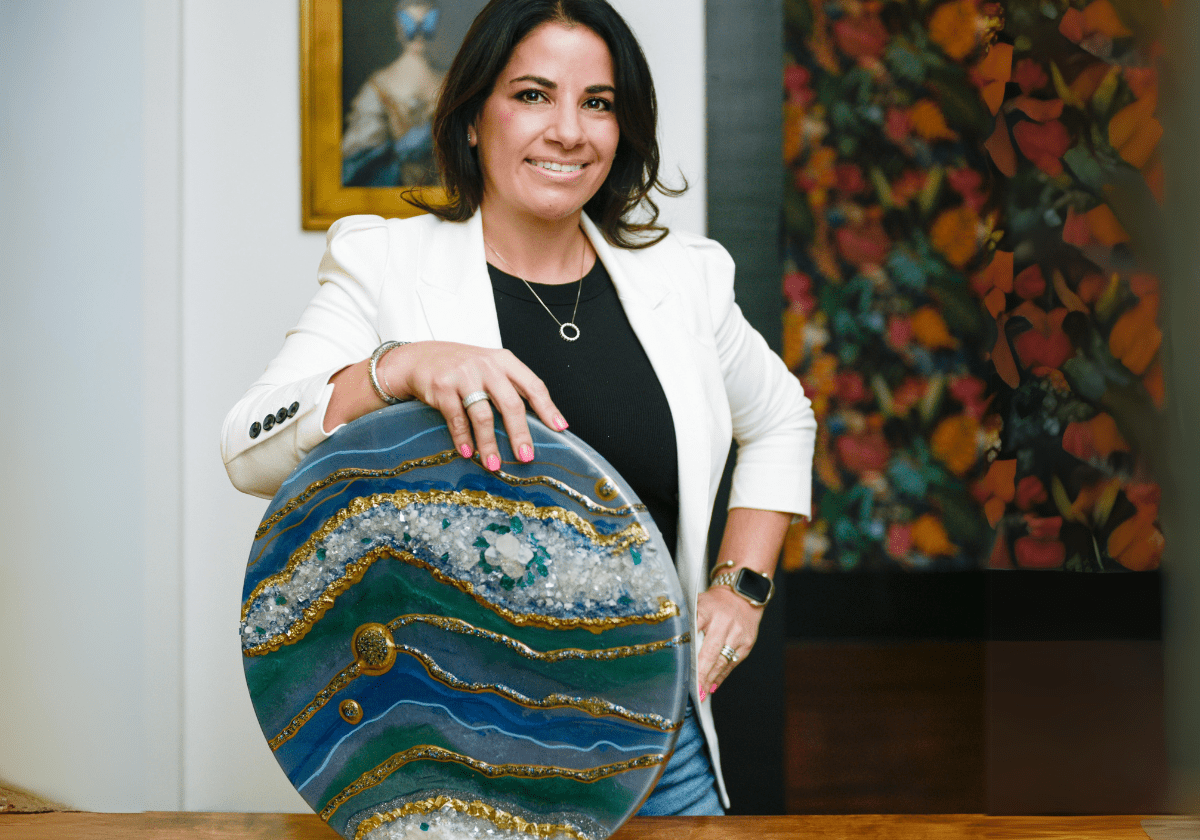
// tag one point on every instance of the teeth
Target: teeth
(559, 167)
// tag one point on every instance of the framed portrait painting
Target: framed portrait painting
(369, 79)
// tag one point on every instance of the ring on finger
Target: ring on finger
(730, 654)
(474, 397)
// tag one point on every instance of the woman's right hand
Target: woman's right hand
(440, 374)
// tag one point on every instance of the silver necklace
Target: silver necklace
(568, 331)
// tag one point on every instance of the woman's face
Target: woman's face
(547, 134)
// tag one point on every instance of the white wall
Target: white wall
(247, 270)
(89, 701)
(672, 36)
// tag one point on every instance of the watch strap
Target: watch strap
(730, 579)
(712, 576)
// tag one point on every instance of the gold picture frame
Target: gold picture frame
(328, 82)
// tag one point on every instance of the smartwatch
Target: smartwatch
(754, 587)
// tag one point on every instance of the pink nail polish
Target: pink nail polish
(465, 451)
(526, 453)
(703, 694)
(493, 462)
(713, 690)
(560, 423)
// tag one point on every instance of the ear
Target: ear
(472, 136)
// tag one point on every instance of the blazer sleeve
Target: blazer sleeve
(773, 421)
(281, 417)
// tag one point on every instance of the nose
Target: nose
(566, 129)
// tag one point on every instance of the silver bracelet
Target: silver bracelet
(374, 376)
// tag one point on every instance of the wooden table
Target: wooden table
(197, 826)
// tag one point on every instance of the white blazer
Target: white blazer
(424, 279)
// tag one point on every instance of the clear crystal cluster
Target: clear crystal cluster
(448, 824)
(524, 564)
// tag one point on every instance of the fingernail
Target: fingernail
(493, 462)
(465, 451)
(560, 423)
(703, 694)
(525, 455)
(713, 690)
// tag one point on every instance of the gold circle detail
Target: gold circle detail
(374, 649)
(606, 490)
(351, 711)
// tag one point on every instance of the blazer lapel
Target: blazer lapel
(646, 299)
(455, 291)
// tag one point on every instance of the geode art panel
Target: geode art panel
(434, 650)
(974, 195)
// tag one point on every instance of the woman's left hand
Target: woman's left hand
(725, 618)
(752, 539)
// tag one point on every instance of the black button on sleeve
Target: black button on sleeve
(268, 422)
(255, 430)
(281, 415)
(293, 408)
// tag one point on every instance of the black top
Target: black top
(602, 383)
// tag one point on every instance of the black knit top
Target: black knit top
(602, 383)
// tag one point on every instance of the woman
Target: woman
(545, 141)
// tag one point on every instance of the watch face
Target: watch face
(753, 585)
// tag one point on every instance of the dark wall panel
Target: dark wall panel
(745, 150)
(745, 54)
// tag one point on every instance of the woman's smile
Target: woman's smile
(557, 167)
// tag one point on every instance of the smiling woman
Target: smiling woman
(545, 283)
(493, 39)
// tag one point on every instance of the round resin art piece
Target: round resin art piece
(437, 651)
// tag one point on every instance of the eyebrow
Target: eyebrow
(546, 83)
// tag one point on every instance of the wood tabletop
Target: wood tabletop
(201, 826)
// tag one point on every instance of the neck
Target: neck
(549, 253)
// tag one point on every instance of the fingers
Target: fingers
(459, 425)
(730, 627)
(473, 428)
(720, 667)
(505, 398)
(442, 374)
(512, 410)
(484, 426)
(528, 388)
(726, 660)
(535, 393)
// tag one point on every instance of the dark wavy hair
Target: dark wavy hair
(489, 44)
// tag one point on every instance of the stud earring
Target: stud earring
(470, 137)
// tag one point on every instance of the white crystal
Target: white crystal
(447, 824)
(529, 564)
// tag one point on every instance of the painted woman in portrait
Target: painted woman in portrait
(388, 141)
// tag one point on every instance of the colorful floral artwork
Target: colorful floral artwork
(972, 294)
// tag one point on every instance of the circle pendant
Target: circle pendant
(568, 336)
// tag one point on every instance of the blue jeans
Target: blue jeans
(688, 787)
